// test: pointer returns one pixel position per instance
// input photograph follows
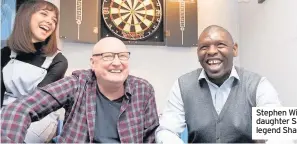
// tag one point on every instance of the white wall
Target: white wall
(162, 65)
(268, 36)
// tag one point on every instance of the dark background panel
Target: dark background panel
(191, 29)
(173, 30)
(19, 2)
(88, 29)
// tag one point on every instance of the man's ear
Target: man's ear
(235, 49)
(197, 50)
(91, 63)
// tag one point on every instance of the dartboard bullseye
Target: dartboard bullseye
(132, 19)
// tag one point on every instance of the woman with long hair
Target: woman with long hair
(32, 58)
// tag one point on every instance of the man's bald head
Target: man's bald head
(215, 28)
(109, 62)
(109, 44)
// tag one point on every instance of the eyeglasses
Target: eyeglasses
(109, 56)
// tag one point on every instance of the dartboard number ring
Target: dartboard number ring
(132, 19)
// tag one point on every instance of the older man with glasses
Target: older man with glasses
(104, 104)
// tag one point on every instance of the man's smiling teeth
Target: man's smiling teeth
(115, 71)
(213, 61)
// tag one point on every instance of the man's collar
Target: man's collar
(233, 74)
(128, 87)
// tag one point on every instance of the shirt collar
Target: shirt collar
(128, 87)
(233, 74)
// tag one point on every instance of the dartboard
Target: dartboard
(132, 19)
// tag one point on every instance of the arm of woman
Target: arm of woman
(56, 70)
(5, 53)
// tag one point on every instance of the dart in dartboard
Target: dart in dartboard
(78, 15)
(182, 17)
